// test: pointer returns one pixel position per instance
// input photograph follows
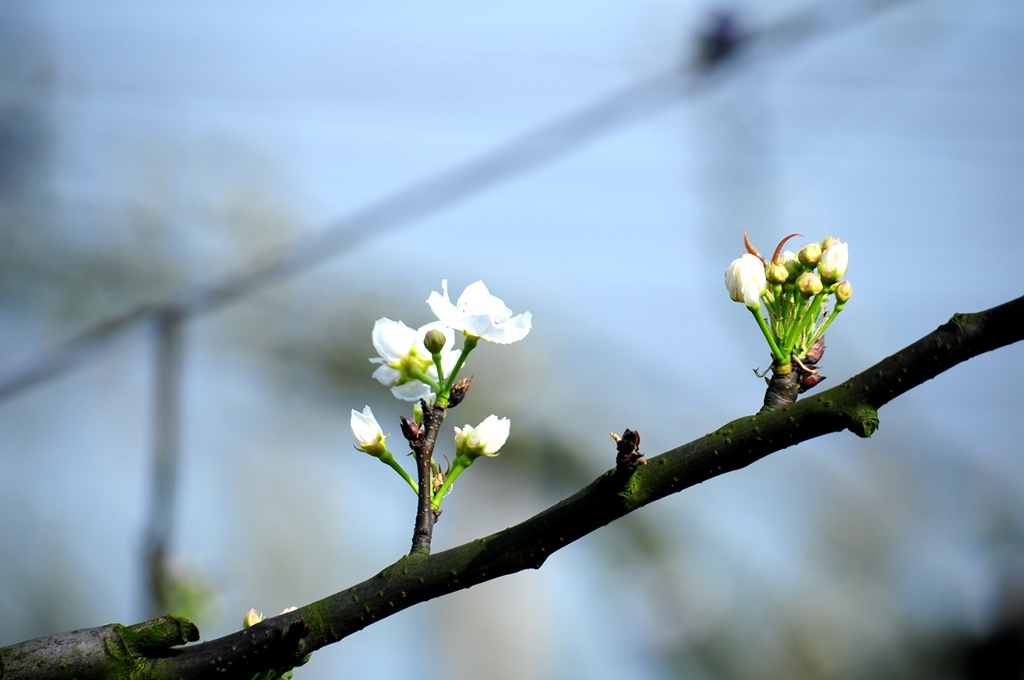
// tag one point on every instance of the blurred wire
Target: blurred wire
(716, 45)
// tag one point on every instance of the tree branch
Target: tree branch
(423, 446)
(285, 640)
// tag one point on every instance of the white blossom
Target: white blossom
(368, 435)
(483, 440)
(745, 280)
(479, 314)
(402, 351)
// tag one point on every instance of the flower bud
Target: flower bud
(834, 262)
(776, 272)
(791, 262)
(809, 283)
(816, 351)
(828, 240)
(745, 280)
(843, 292)
(410, 429)
(368, 435)
(459, 391)
(810, 254)
(434, 340)
(288, 610)
(483, 440)
(252, 617)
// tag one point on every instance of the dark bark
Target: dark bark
(419, 577)
(782, 390)
(423, 447)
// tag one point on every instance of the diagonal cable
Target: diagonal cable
(447, 188)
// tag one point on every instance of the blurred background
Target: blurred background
(150, 149)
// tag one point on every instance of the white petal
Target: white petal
(365, 428)
(751, 295)
(392, 339)
(387, 376)
(413, 390)
(443, 308)
(490, 435)
(480, 325)
(515, 330)
(745, 280)
(476, 300)
(475, 296)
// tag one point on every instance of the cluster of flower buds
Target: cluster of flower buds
(795, 289)
(422, 366)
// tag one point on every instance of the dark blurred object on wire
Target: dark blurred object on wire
(719, 39)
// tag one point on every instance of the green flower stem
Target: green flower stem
(793, 330)
(389, 459)
(780, 359)
(436, 356)
(777, 289)
(828, 322)
(810, 318)
(458, 465)
(424, 378)
(468, 346)
(789, 305)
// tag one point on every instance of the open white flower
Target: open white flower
(368, 435)
(403, 354)
(834, 262)
(746, 281)
(479, 314)
(483, 440)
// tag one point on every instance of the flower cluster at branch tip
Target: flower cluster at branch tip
(795, 289)
(423, 365)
